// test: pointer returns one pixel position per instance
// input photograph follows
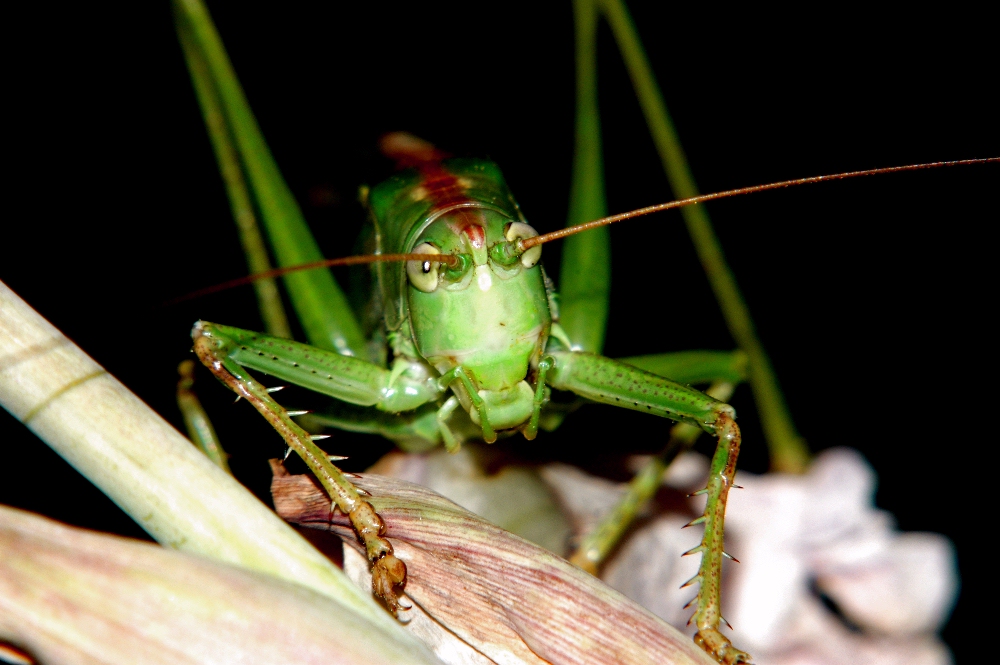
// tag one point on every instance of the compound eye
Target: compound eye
(521, 231)
(423, 275)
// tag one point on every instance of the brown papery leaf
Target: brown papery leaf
(75, 597)
(508, 599)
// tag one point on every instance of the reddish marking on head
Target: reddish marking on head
(443, 188)
(475, 234)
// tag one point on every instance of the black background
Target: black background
(872, 296)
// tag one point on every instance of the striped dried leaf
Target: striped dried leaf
(76, 597)
(508, 599)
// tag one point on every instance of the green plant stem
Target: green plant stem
(320, 304)
(585, 269)
(788, 450)
(272, 312)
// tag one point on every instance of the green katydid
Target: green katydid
(480, 323)
(482, 327)
(471, 313)
(763, 226)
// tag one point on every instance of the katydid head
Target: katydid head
(489, 314)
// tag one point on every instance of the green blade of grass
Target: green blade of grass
(787, 448)
(272, 311)
(585, 269)
(320, 304)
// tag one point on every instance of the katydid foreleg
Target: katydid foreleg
(611, 382)
(225, 351)
(724, 370)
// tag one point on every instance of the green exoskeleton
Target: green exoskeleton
(476, 347)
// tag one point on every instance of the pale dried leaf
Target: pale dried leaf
(71, 596)
(515, 498)
(510, 600)
(447, 646)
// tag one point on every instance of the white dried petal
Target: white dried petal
(584, 497)
(655, 581)
(906, 588)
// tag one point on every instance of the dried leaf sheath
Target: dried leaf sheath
(499, 593)
(76, 597)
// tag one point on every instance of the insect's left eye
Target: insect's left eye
(423, 275)
(522, 231)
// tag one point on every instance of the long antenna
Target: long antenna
(528, 243)
(449, 259)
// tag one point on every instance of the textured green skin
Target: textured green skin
(346, 378)
(493, 333)
(489, 318)
(612, 382)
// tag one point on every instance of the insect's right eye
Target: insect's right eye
(423, 275)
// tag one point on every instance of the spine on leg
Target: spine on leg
(708, 613)
(388, 572)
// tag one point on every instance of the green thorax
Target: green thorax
(491, 315)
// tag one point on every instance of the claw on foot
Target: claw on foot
(388, 571)
(388, 574)
(720, 648)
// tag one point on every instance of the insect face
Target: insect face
(489, 315)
